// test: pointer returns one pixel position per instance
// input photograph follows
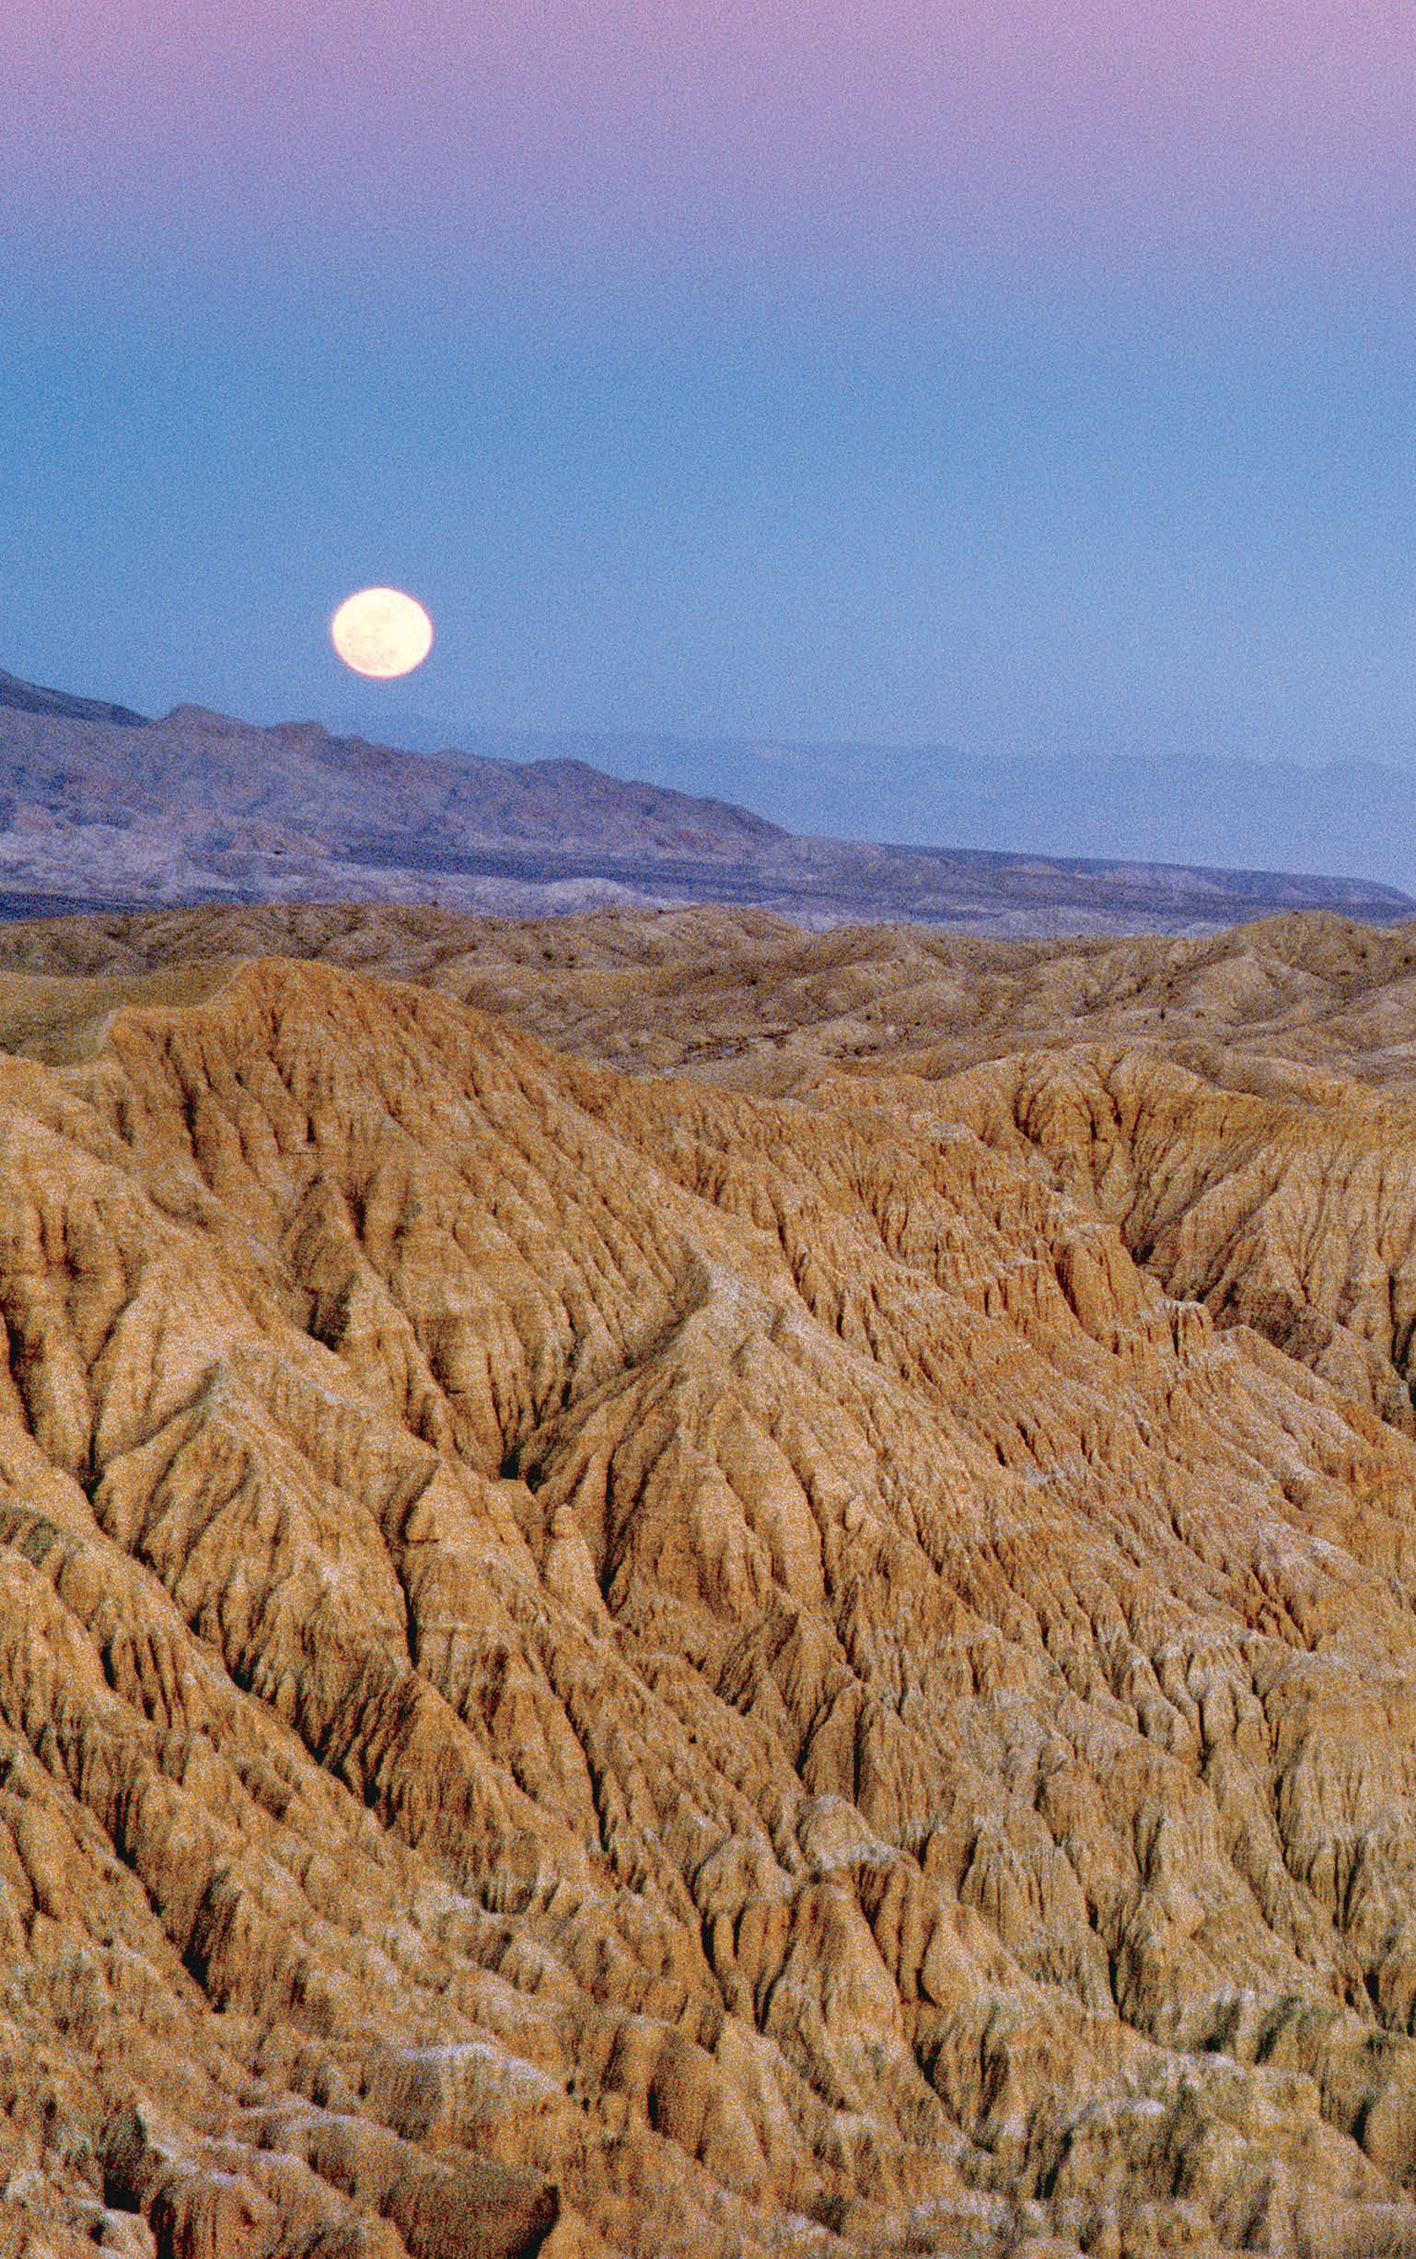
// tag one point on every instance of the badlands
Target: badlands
(676, 1587)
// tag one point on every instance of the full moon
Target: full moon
(382, 632)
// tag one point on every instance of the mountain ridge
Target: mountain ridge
(32, 698)
(1348, 815)
(195, 806)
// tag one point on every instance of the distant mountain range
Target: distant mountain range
(100, 805)
(1355, 818)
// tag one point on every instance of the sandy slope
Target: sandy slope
(594, 1661)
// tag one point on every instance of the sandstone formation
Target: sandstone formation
(813, 1656)
(746, 996)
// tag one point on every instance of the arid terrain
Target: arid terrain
(677, 1587)
(102, 807)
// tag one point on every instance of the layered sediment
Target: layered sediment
(816, 1657)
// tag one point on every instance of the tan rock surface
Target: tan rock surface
(603, 1664)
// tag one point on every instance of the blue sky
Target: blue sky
(767, 422)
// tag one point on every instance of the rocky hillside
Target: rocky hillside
(812, 1657)
(100, 806)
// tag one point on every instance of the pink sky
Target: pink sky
(987, 374)
(1102, 121)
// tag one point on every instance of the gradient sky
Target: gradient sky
(1007, 373)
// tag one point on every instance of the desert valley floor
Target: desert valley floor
(669, 1587)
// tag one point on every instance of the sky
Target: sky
(1012, 375)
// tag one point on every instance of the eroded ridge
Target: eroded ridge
(592, 1664)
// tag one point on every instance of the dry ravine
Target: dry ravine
(809, 1649)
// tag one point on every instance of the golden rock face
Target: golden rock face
(815, 1657)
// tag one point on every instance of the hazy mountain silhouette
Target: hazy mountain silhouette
(100, 805)
(1356, 818)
